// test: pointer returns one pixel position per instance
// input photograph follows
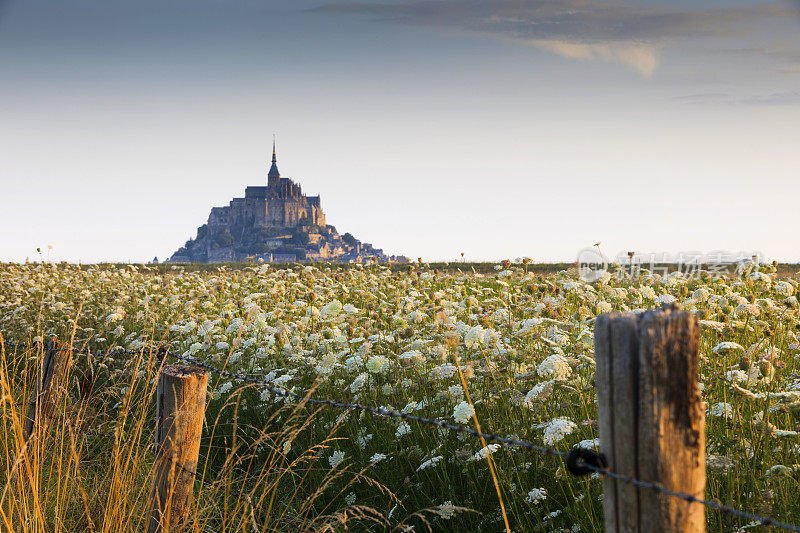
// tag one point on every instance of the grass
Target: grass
(515, 344)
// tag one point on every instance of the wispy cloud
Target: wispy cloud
(703, 97)
(773, 99)
(578, 29)
(785, 98)
(641, 56)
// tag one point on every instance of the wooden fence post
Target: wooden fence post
(42, 407)
(180, 411)
(49, 384)
(651, 419)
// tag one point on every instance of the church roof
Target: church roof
(273, 170)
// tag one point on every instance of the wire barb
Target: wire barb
(579, 459)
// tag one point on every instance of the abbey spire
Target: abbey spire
(273, 170)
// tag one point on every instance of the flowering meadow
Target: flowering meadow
(512, 349)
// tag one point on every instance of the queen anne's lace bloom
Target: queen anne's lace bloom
(463, 412)
(336, 458)
(483, 452)
(402, 429)
(446, 510)
(784, 288)
(539, 392)
(727, 346)
(377, 364)
(667, 299)
(718, 462)
(721, 410)
(430, 462)
(604, 307)
(331, 310)
(700, 295)
(474, 337)
(536, 495)
(444, 371)
(359, 382)
(557, 429)
(648, 293)
(555, 366)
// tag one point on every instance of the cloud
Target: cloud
(781, 53)
(786, 98)
(576, 29)
(642, 57)
(790, 98)
(703, 97)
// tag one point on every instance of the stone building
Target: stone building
(280, 204)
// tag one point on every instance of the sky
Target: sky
(430, 128)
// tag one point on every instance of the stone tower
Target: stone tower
(273, 178)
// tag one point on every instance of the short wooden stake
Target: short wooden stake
(42, 408)
(180, 411)
(651, 419)
(47, 395)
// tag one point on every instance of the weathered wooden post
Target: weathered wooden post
(651, 419)
(49, 384)
(180, 411)
(42, 407)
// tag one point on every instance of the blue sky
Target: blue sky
(496, 128)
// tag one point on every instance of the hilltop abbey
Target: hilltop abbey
(273, 223)
(281, 204)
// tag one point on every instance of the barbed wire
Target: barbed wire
(579, 461)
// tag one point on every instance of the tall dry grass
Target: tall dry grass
(90, 468)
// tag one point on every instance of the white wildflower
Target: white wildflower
(336, 458)
(667, 299)
(446, 510)
(443, 371)
(700, 295)
(455, 392)
(648, 293)
(718, 462)
(430, 462)
(377, 364)
(331, 310)
(539, 392)
(402, 429)
(784, 288)
(604, 307)
(727, 347)
(736, 376)
(557, 429)
(555, 366)
(484, 452)
(536, 495)
(474, 337)
(463, 412)
(721, 410)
